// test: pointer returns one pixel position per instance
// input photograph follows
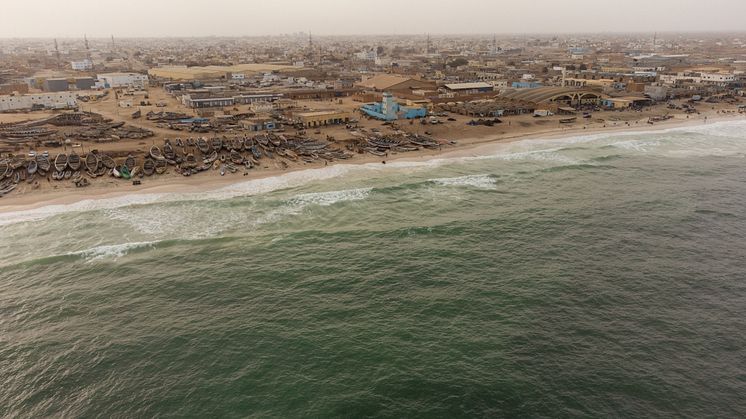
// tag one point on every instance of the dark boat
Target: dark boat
(236, 157)
(255, 151)
(190, 161)
(217, 143)
(203, 146)
(91, 162)
(4, 168)
(148, 167)
(60, 162)
(32, 167)
(73, 161)
(43, 162)
(107, 161)
(130, 162)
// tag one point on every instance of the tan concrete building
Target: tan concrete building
(320, 118)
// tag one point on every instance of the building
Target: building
(210, 102)
(259, 124)
(395, 83)
(57, 100)
(202, 99)
(83, 65)
(56, 85)
(560, 96)
(117, 80)
(215, 72)
(469, 88)
(9, 88)
(625, 102)
(313, 119)
(389, 109)
(525, 85)
(85, 83)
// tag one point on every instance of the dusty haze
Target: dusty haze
(134, 18)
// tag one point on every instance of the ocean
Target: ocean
(592, 276)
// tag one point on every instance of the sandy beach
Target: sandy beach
(466, 147)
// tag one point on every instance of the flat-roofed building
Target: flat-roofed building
(56, 100)
(469, 88)
(320, 118)
(115, 80)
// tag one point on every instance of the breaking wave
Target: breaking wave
(476, 181)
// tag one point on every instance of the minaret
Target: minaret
(427, 47)
(57, 53)
(87, 48)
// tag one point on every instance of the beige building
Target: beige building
(313, 119)
(217, 72)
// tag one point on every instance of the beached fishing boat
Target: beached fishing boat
(7, 188)
(116, 173)
(107, 161)
(236, 157)
(4, 168)
(211, 158)
(16, 162)
(255, 151)
(161, 166)
(156, 153)
(125, 172)
(190, 160)
(130, 162)
(73, 161)
(148, 167)
(216, 143)
(43, 163)
(91, 162)
(168, 151)
(68, 173)
(32, 167)
(60, 162)
(203, 146)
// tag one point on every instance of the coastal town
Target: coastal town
(123, 113)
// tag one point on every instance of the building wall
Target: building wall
(49, 100)
(115, 80)
(316, 119)
(56, 85)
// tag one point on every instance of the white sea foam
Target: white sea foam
(330, 197)
(475, 181)
(110, 251)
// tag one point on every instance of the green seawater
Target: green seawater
(600, 276)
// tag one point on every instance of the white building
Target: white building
(367, 55)
(115, 80)
(56, 100)
(706, 78)
(82, 65)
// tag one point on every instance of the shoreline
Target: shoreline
(473, 147)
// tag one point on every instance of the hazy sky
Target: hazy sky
(128, 18)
